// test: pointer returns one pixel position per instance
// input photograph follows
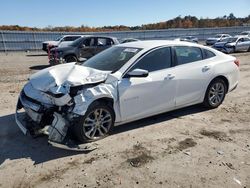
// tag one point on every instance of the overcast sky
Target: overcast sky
(34, 13)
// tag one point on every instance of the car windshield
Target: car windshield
(76, 42)
(59, 38)
(112, 59)
(234, 39)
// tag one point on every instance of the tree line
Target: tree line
(178, 22)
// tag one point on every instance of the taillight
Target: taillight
(237, 62)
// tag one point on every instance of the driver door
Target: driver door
(141, 97)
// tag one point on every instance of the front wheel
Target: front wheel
(95, 124)
(215, 93)
(70, 59)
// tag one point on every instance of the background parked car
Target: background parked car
(216, 38)
(84, 47)
(61, 41)
(245, 33)
(129, 40)
(233, 44)
(188, 39)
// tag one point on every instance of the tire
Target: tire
(248, 49)
(90, 127)
(215, 93)
(70, 59)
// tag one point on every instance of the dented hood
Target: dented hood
(58, 79)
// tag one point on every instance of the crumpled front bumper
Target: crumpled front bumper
(28, 117)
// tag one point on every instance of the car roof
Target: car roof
(241, 36)
(147, 44)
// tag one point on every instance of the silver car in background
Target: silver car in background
(216, 38)
(245, 33)
(188, 39)
(233, 44)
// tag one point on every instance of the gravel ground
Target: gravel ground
(191, 147)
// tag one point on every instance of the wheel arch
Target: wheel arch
(70, 54)
(222, 78)
(107, 101)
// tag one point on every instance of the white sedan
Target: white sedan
(125, 83)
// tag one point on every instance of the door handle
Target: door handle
(169, 77)
(205, 68)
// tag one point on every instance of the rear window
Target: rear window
(208, 54)
(186, 54)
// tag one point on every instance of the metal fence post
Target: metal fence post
(4, 45)
(34, 38)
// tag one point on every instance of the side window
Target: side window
(156, 60)
(246, 39)
(67, 39)
(89, 42)
(101, 42)
(208, 54)
(104, 42)
(186, 54)
(74, 38)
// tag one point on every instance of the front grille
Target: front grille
(45, 46)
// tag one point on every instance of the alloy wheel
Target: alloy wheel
(97, 123)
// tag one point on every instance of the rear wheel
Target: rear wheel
(95, 124)
(70, 59)
(215, 93)
(248, 49)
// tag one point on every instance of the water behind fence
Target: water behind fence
(21, 40)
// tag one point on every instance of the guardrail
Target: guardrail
(22, 40)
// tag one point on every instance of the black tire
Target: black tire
(219, 94)
(70, 59)
(248, 49)
(81, 130)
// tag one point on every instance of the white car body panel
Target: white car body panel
(133, 98)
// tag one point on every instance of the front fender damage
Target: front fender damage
(59, 113)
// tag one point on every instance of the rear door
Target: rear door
(192, 74)
(88, 47)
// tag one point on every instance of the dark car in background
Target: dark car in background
(216, 38)
(233, 44)
(82, 48)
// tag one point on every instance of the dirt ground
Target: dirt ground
(191, 147)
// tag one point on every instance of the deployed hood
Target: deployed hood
(60, 78)
(220, 43)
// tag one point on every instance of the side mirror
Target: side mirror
(82, 46)
(139, 73)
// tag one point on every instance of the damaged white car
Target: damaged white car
(123, 84)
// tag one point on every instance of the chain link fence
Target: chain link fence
(23, 41)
